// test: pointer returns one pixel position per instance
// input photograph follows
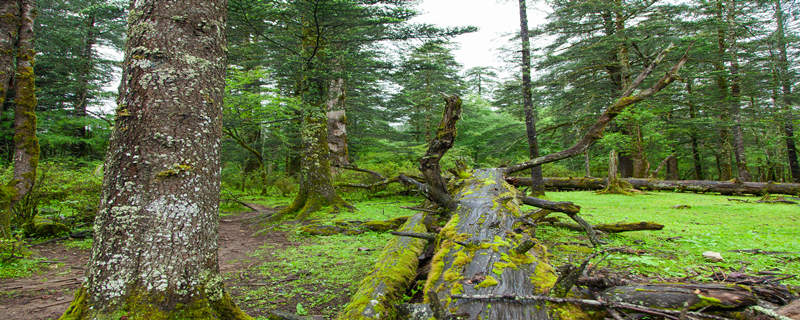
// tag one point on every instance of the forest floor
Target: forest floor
(277, 268)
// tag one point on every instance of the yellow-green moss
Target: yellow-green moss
(141, 305)
(175, 170)
(488, 282)
(395, 269)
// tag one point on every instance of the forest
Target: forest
(337, 159)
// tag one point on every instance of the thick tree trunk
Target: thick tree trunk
(527, 100)
(26, 145)
(316, 184)
(155, 249)
(786, 86)
(702, 186)
(9, 31)
(337, 137)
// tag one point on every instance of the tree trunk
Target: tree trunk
(786, 86)
(316, 184)
(586, 167)
(9, 31)
(155, 249)
(84, 76)
(702, 186)
(26, 145)
(537, 188)
(724, 155)
(735, 98)
(672, 167)
(337, 122)
(698, 164)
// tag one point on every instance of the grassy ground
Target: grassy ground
(713, 223)
(317, 274)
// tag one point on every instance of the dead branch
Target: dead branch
(596, 130)
(429, 164)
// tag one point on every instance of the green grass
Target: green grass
(316, 272)
(20, 268)
(84, 244)
(711, 224)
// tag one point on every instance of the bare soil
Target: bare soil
(46, 294)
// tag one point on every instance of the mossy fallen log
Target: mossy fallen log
(487, 221)
(394, 271)
(677, 296)
(699, 186)
(352, 227)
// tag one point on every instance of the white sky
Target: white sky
(497, 21)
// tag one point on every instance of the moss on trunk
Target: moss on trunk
(316, 184)
(144, 306)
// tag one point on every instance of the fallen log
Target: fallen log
(489, 264)
(679, 296)
(394, 271)
(612, 227)
(699, 186)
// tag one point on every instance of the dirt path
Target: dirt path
(47, 294)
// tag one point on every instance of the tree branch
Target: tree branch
(596, 130)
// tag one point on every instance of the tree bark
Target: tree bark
(537, 188)
(26, 145)
(701, 186)
(485, 263)
(316, 183)
(9, 31)
(735, 97)
(155, 249)
(337, 123)
(786, 86)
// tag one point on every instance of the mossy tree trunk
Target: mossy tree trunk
(9, 29)
(26, 145)
(316, 184)
(155, 249)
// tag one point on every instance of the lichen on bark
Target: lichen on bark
(155, 249)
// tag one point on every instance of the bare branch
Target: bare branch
(596, 130)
